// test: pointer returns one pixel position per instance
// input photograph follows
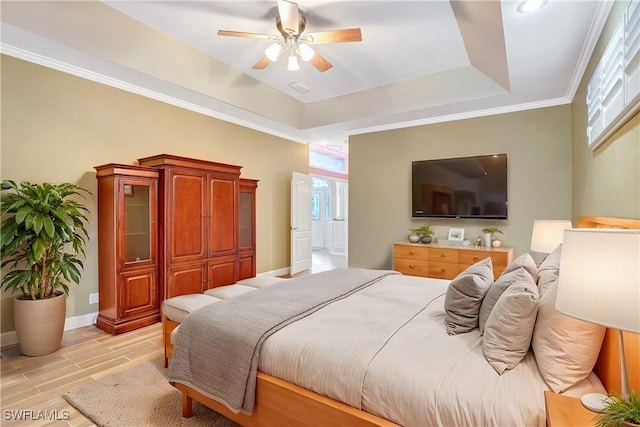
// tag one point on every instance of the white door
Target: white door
(300, 222)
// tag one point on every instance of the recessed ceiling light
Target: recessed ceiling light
(528, 6)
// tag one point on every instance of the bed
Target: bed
(420, 375)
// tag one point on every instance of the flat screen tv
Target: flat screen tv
(465, 187)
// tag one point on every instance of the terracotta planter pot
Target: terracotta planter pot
(39, 324)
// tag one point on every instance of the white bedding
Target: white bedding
(385, 350)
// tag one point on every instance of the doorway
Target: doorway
(329, 223)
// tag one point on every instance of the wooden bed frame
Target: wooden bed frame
(281, 403)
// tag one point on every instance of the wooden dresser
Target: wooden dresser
(445, 261)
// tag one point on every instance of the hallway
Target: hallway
(323, 260)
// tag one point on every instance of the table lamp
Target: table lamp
(600, 283)
(547, 234)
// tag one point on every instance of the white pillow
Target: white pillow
(464, 297)
(496, 290)
(508, 331)
(566, 349)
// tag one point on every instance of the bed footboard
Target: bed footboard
(281, 403)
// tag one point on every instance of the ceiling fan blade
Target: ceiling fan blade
(262, 64)
(335, 36)
(248, 35)
(320, 63)
(288, 16)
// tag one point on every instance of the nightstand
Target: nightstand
(566, 411)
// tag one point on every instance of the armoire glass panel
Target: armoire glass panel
(245, 232)
(137, 223)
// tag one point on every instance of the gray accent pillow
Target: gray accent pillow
(525, 261)
(508, 332)
(496, 290)
(549, 270)
(464, 297)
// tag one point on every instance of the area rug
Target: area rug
(140, 396)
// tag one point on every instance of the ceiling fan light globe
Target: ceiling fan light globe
(273, 51)
(306, 52)
(293, 63)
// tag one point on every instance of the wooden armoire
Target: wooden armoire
(127, 247)
(205, 232)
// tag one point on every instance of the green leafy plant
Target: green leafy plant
(619, 410)
(491, 230)
(43, 232)
(424, 231)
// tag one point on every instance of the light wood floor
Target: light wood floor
(88, 354)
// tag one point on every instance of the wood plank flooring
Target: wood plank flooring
(31, 388)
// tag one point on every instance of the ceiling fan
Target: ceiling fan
(291, 23)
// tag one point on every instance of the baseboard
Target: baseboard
(278, 272)
(10, 338)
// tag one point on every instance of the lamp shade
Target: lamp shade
(547, 234)
(600, 277)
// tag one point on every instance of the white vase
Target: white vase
(487, 240)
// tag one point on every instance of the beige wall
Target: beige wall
(538, 145)
(56, 127)
(606, 182)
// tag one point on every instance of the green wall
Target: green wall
(538, 145)
(606, 182)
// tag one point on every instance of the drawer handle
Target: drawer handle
(475, 258)
(412, 266)
(410, 252)
(441, 255)
(442, 270)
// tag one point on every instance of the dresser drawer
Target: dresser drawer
(411, 267)
(443, 255)
(471, 257)
(442, 270)
(410, 252)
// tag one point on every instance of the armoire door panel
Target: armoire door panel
(222, 272)
(223, 213)
(138, 292)
(246, 268)
(187, 279)
(186, 218)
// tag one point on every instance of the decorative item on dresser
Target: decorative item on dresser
(127, 247)
(193, 230)
(423, 234)
(490, 236)
(445, 262)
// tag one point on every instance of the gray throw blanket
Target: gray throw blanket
(217, 347)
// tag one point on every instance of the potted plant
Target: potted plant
(620, 411)
(425, 232)
(43, 233)
(489, 235)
